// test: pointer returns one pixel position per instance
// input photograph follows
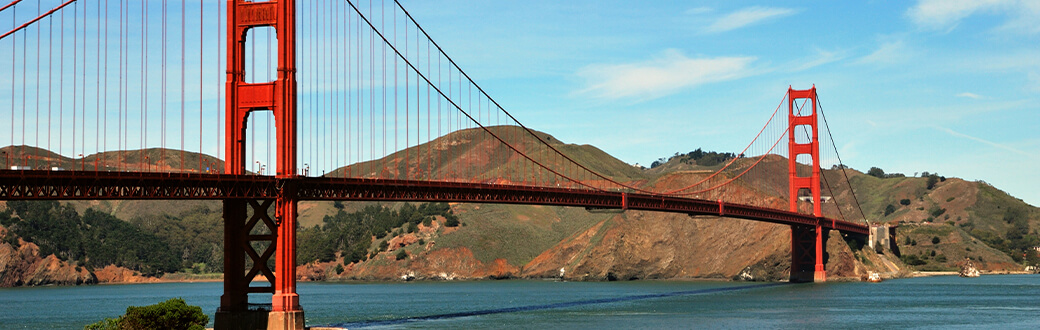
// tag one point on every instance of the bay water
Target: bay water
(994, 301)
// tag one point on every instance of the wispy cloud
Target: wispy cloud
(889, 52)
(821, 57)
(666, 74)
(984, 141)
(699, 10)
(1023, 15)
(748, 16)
(970, 95)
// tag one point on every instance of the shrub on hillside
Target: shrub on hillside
(401, 254)
(904, 201)
(889, 209)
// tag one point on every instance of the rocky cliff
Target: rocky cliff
(23, 266)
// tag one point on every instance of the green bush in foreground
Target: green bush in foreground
(170, 314)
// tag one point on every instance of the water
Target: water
(1009, 301)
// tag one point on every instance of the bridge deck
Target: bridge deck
(80, 185)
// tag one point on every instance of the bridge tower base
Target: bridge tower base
(285, 320)
(808, 243)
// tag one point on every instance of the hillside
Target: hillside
(971, 220)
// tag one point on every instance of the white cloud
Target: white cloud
(1023, 15)
(666, 74)
(748, 16)
(970, 95)
(890, 52)
(984, 141)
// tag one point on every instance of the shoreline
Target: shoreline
(955, 273)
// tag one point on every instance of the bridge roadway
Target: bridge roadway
(90, 185)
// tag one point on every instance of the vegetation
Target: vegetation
(698, 157)
(880, 174)
(170, 314)
(196, 236)
(1003, 222)
(95, 239)
(932, 180)
(352, 233)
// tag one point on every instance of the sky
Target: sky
(943, 86)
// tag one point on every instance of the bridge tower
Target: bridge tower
(808, 243)
(247, 223)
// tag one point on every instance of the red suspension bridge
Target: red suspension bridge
(265, 104)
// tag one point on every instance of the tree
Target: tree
(401, 254)
(876, 172)
(932, 180)
(935, 239)
(889, 209)
(452, 221)
(904, 201)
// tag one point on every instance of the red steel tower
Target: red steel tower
(807, 243)
(241, 217)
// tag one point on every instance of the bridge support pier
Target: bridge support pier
(247, 225)
(808, 254)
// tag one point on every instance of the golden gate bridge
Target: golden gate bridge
(265, 104)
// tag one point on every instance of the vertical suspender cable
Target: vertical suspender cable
(103, 133)
(183, 64)
(144, 86)
(269, 72)
(162, 92)
(218, 106)
(61, 87)
(83, 103)
(396, 88)
(202, 15)
(14, 76)
(407, 108)
(97, 95)
(382, 20)
(50, 75)
(250, 76)
(122, 68)
(334, 55)
(39, 31)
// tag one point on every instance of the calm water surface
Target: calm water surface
(1009, 301)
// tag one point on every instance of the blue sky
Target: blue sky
(946, 86)
(908, 86)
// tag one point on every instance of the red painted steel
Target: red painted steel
(799, 264)
(279, 97)
(69, 185)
